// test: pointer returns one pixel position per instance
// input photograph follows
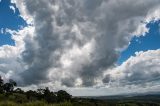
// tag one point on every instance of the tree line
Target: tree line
(8, 91)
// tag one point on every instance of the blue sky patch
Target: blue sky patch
(10, 20)
(151, 41)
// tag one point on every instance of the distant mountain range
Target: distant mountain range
(150, 96)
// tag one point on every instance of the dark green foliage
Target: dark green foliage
(1, 85)
(8, 87)
(1, 81)
(31, 95)
(19, 90)
(63, 96)
(49, 96)
(19, 96)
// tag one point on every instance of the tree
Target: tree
(1, 85)
(49, 96)
(19, 90)
(31, 95)
(8, 87)
(20, 96)
(63, 96)
(1, 81)
(12, 82)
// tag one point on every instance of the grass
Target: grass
(36, 103)
(42, 103)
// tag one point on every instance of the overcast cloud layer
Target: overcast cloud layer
(76, 43)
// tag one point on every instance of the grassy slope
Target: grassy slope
(36, 103)
(86, 103)
(133, 101)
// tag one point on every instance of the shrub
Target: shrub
(20, 98)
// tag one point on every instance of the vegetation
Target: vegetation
(9, 96)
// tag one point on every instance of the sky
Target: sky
(151, 41)
(89, 48)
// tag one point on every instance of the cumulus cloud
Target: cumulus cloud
(12, 8)
(138, 70)
(10, 60)
(73, 43)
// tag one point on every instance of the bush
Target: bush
(63, 96)
(20, 98)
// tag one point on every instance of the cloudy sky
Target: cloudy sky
(87, 47)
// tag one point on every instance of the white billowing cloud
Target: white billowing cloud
(20, 4)
(72, 43)
(153, 15)
(141, 30)
(12, 8)
(139, 70)
(10, 60)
